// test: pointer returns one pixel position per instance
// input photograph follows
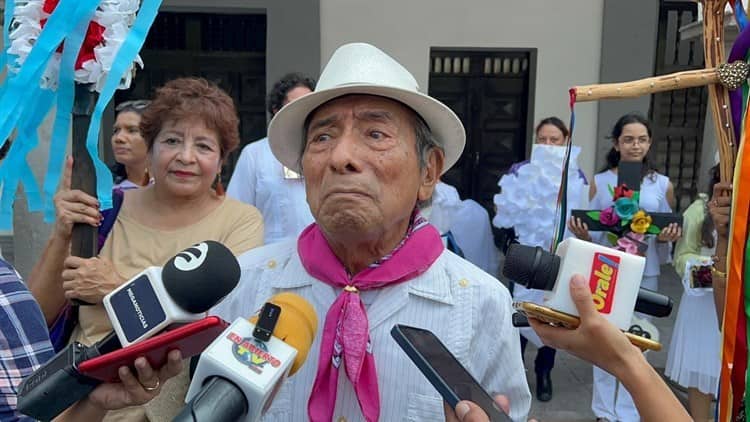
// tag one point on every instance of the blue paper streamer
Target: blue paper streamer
(124, 57)
(63, 116)
(23, 87)
(25, 103)
(16, 169)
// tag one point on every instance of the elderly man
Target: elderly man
(371, 148)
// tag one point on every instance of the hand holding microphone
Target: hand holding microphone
(598, 341)
(239, 374)
(613, 277)
(191, 283)
(595, 340)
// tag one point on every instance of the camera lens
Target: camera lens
(532, 267)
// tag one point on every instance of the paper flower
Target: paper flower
(625, 208)
(528, 194)
(640, 222)
(106, 33)
(625, 244)
(623, 191)
(609, 217)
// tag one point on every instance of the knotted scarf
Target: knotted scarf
(346, 330)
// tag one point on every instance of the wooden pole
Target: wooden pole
(84, 240)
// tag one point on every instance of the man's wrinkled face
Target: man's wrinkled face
(361, 166)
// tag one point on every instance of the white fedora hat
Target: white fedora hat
(360, 68)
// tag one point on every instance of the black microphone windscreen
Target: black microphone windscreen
(532, 267)
(200, 276)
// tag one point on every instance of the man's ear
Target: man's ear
(431, 173)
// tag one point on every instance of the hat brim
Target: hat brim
(286, 130)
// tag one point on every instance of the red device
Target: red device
(190, 339)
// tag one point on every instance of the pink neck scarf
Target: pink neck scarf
(346, 331)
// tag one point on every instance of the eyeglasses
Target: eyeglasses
(135, 105)
(629, 140)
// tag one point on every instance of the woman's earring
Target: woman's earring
(219, 187)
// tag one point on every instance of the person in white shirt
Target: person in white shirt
(259, 179)
(467, 224)
(371, 147)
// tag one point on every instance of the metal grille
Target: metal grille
(233, 33)
(479, 63)
(237, 33)
(678, 116)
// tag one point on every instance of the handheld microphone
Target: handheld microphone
(58, 384)
(190, 283)
(612, 275)
(239, 374)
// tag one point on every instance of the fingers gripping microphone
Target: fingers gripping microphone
(242, 370)
(190, 283)
(612, 275)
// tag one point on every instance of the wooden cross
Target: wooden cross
(720, 77)
(628, 174)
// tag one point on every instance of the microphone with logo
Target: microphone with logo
(240, 373)
(190, 284)
(614, 279)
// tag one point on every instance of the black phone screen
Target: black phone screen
(452, 375)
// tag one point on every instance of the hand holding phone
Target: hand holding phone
(444, 371)
(190, 339)
(553, 317)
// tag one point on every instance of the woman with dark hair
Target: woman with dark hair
(526, 208)
(190, 128)
(631, 141)
(129, 147)
(552, 131)
(697, 368)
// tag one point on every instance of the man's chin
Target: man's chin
(345, 222)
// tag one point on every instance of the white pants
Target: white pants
(610, 398)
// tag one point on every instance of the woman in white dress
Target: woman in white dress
(631, 138)
(526, 207)
(694, 358)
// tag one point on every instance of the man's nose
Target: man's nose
(344, 153)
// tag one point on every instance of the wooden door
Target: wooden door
(491, 91)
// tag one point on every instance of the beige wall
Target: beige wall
(567, 35)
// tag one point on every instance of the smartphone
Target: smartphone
(551, 316)
(443, 370)
(190, 339)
